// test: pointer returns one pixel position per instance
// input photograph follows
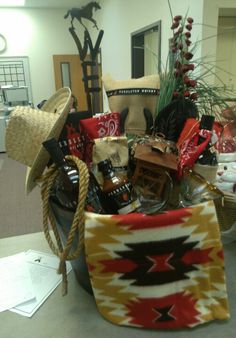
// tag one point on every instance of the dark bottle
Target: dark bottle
(121, 197)
(65, 190)
(208, 156)
(96, 199)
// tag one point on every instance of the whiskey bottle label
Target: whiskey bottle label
(123, 199)
(130, 207)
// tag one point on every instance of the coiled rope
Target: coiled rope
(63, 251)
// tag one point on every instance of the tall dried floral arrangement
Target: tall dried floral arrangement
(185, 77)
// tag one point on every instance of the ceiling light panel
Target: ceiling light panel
(12, 3)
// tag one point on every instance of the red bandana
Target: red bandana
(190, 150)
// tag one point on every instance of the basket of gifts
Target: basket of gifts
(134, 225)
(144, 258)
(135, 215)
(132, 200)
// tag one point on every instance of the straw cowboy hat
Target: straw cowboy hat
(28, 128)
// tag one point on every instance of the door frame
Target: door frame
(137, 52)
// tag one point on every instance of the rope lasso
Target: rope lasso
(77, 226)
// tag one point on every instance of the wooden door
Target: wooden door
(68, 73)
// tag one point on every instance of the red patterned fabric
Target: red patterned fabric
(70, 139)
(101, 125)
(187, 144)
(97, 127)
(191, 126)
(190, 149)
(162, 272)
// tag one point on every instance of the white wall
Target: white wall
(210, 19)
(119, 18)
(38, 34)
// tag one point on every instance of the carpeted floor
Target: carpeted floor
(19, 214)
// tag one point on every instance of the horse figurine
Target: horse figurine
(85, 12)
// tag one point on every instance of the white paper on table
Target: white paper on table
(15, 281)
(43, 270)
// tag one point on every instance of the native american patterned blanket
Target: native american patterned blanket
(164, 271)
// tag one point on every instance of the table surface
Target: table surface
(76, 315)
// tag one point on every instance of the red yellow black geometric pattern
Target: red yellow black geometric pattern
(164, 271)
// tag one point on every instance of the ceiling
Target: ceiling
(54, 3)
(79, 3)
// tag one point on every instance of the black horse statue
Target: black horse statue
(85, 12)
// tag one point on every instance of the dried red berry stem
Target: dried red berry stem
(180, 44)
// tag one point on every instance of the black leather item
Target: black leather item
(149, 121)
(171, 119)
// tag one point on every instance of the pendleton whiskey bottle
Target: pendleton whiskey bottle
(65, 190)
(121, 198)
(208, 156)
